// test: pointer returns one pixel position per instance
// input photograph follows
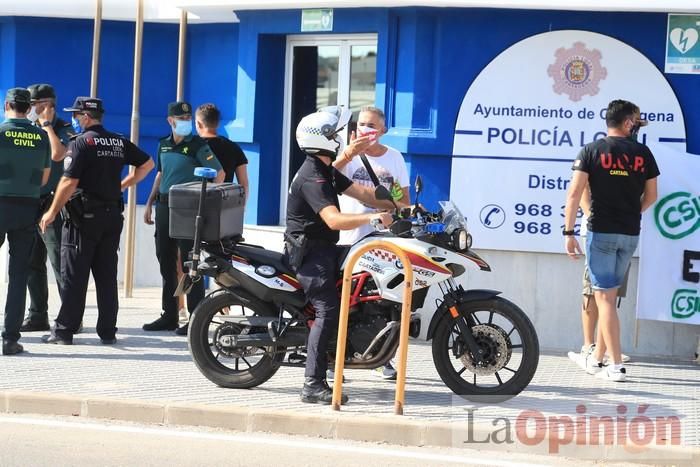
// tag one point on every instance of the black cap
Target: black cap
(178, 109)
(18, 95)
(83, 103)
(42, 91)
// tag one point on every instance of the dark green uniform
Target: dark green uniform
(48, 244)
(176, 163)
(24, 154)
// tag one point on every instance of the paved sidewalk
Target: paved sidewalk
(156, 368)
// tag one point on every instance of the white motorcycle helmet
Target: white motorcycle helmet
(318, 134)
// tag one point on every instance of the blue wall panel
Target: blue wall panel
(426, 60)
(212, 67)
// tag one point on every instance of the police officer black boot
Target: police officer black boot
(182, 330)
(10, 347)
(316, 391)
(33, 325)
(164, 323)
(54, 338)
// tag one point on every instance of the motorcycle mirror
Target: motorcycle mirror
(382, 194)
(419, 185)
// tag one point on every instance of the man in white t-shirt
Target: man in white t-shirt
(387, 163)
(390, 169)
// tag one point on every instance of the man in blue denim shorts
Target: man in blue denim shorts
(622, 175)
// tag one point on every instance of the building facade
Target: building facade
(272, 67)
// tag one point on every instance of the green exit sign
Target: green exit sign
(317, 20)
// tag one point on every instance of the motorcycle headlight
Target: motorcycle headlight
(460, 239)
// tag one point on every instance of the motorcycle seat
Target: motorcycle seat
(260, 256)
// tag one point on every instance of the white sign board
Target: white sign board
(669, 250)
(525, 118)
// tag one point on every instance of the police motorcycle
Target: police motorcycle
(484, 347)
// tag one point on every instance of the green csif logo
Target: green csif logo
(678, 215)
(685, 303)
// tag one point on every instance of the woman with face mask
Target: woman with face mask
(177, 157)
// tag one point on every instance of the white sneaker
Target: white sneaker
(607, 360)
(592, 366)
(586, 362)
(612, 375)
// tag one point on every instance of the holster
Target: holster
(295, 249)
(74, 210)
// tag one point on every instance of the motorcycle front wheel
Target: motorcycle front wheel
(508, 344)
(230, 367)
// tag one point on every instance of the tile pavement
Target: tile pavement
(156, 367)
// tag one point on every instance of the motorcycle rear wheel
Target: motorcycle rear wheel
(508, 338)
(230, 367)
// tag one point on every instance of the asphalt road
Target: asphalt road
(57, 441)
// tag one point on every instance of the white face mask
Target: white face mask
(33, 116)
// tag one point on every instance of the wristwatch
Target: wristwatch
(46, 123)
(568, 233)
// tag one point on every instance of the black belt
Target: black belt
(162, 198)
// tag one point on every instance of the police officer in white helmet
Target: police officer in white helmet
(313, 222)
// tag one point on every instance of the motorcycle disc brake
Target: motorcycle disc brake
(496, 345)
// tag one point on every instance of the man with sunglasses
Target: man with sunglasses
(91, 191)
(59, 132)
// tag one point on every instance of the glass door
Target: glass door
(322, 71)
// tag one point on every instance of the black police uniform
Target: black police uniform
(90, 238)
(316, 186)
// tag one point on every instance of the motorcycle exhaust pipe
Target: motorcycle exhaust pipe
(390, 326)
(291, 338)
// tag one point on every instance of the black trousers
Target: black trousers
(91, 247)
(46, 244)
(18, 224)
(166, 251)
(318, 275)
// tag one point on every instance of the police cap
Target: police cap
(18, 95)
(82, 104)
(178, 109)
(42, 91)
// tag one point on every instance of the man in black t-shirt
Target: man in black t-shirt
(313, 222)
(622, 176)
(230, 155)
(90, 238)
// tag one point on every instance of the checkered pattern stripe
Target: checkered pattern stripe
(312, 130)
(384, 255)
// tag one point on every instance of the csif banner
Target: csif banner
(527, 115)
(669, 248)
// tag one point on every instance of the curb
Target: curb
(334, 425)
